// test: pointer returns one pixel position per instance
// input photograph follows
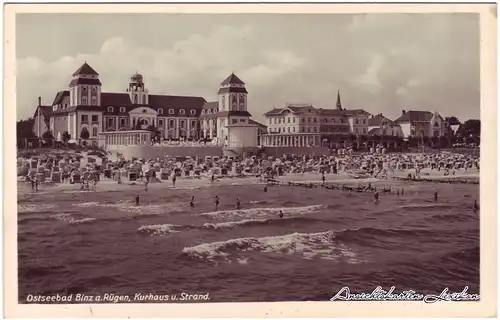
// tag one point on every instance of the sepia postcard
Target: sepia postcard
(250, 160)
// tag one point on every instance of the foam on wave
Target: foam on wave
(308, 245)
(261, 212)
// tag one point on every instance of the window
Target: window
(193, 123)
(110, 109)
(160, 111)
(234, 121)
(288, 120)
(93, 89)
(364, 121)
(182, 112)
(122, 109)
(364, 130)
(160, 122)
(288, 129)
(293, 129)
(170, 111)
(85, 118)
(356, 121)
(242, 120)
(84, 100)
(171, 123)
(122, 122)
(110, 122)
(84, 89)
(209, 111)
(193, 112)
(315, 120)
(94, 131)
(94, 101)
(223, 103)
(202, 111)
(135, 98)
(183, 124)
(293, 119)
(95, 118)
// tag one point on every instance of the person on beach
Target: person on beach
(173, 180)
(323, 178)
(36, 185)
(137, 200)
(191, 204)
(476, 206)
(435, 195)
(265, 188)
(32, 184)
(212, 178)
(281, 214)
(238, 203)
(146, 185)
(375, 197)
(216, 202)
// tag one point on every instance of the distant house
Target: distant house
(42, 117)
(379, 125)
(422, 124)
(261, 130)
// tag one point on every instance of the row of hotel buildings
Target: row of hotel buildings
(121, 118)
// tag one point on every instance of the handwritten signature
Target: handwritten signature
(379, 294)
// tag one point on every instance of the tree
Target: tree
(24, 131)
(453, 121)
(470, 128)
(84, 134)
(66, 136)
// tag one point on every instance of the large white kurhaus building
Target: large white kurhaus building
(226, 121)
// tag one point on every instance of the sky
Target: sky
(383, 63)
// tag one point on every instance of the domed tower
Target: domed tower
(85, 87)
(137, 90)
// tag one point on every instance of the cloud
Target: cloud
(382, 63)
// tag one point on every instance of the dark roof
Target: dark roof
(232, 89)
(78, 108)
(354, 111)
(232, 79)
(45, 110)
(410, 116)
(59, 97)
(86, 70)
(377, 120)
(233, 113)
(211, 105)
(332, 112)
(115, 99)
(257, 123)
(177, 103)
(95, 82)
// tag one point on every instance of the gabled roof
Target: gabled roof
(60, 96)
(233, 113)
(45, 110)
(86, 70)
(232, 79)
(378, 119)
(411, 115)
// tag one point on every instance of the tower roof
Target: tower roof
(339, 103)
(232, 79)
(85, 69)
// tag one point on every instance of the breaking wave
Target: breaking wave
(71, 219)
(320, 245)
(261, 212)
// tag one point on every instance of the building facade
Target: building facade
(423, 124)
(305, 125)
(84, 107)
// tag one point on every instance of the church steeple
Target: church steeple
(339, 103)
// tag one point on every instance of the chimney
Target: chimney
(403, 112)
(39, 101)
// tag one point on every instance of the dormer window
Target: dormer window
(193, 112)
(110, 109)
(209, 111)
(93, 89)
(84, 89)
(160, 111)
(182, 112)
(122, 109)
(202, 111)
(170, 111)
